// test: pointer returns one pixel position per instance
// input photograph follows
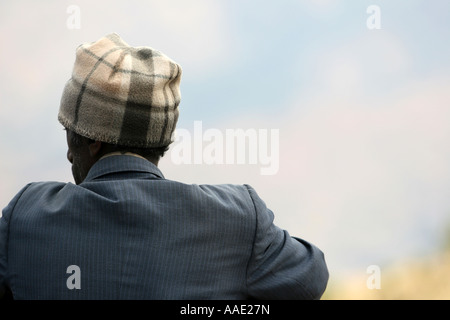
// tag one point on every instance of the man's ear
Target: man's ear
(94, 148)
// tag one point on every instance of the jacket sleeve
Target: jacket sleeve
(4, 235)
(281, 266)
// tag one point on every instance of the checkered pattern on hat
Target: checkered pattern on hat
(121, 94)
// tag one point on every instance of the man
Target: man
(123, 231)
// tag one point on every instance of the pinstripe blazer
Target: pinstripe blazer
(126, 232)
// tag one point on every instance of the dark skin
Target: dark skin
(83, 156)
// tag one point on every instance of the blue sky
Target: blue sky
(362, 114)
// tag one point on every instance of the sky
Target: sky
(349, 107)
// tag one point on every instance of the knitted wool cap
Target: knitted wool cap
(122, 95)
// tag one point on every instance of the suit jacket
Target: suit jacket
(126, 232)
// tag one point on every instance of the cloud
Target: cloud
(370, 176)
(193, 33)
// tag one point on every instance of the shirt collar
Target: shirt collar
(115, 163)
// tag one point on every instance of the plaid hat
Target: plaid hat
(122, 95)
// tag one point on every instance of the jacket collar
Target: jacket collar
(121, 164)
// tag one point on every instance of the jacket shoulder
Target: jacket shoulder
(35, 192)
(43, 187)
(228, 193)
